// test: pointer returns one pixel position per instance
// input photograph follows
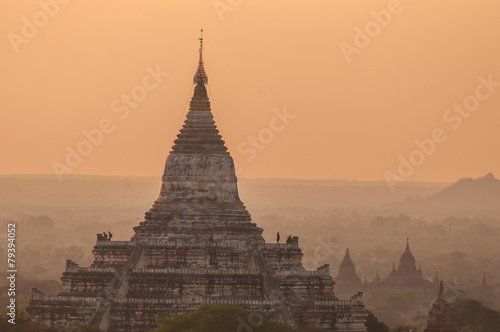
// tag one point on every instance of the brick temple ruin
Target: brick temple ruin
(197, 245)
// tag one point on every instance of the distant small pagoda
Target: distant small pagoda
(197, 245)
(347, 280)
(440, 316)
(487, 293)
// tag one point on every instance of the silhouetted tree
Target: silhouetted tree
(374, 325)
(473, 316)
(220, 318)
(23, 324)
(80, 328)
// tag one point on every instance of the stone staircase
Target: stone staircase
(272, 287)
(116, 286)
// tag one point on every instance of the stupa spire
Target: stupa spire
(347, 261)
(376, 280)
(483, 283)
(440, 316)
(407, 261)
(199, 134)
(200, 76)
(199, 193)
(440, 294)
(347, 270)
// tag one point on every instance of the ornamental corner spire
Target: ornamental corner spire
(200, 76)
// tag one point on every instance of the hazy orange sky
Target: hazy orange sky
(353, 119)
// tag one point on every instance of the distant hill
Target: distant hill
(473, 195)
(483, 192)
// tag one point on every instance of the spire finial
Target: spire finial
(200, 76)
(201, 44)
(483, 283)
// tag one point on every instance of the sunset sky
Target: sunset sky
(351, 114)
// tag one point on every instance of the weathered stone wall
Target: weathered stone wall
(111, 253)
(204, 255)
(283, 256)
(57, 311)
(190, 177)
(86, 283)
(167, 283)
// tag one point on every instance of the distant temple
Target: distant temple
(196, 246)
(347, 280)
(407, 276)
(487, 293)
(440, 316)
(489, 176)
